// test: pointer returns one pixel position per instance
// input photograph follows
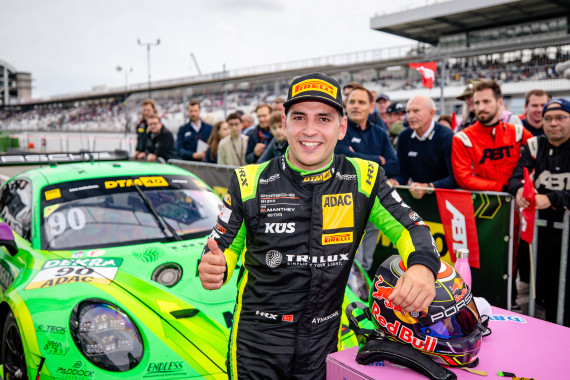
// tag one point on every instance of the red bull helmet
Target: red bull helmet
(449, 331)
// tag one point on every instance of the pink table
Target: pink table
(525, 346)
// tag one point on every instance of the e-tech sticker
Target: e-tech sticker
(59, 272)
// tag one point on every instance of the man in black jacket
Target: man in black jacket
(148, 108)
(160, 143)
(547, 158)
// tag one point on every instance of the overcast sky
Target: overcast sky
(73, 45)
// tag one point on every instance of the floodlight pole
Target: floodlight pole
(148, 45)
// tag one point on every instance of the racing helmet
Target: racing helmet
(449, 331)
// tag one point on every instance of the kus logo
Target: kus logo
(319, 178)
(314, 85)
(279, 228)
(338, 238)
(494, 154)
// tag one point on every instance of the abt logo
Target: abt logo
(279, 228)
(496, 153)
(458, 227)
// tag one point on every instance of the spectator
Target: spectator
(260, 136)
(395, 120)
(468, 116)
(424, 149)
(247, 122)
(191, 143)
(534, 102)
(548, 159)
(148, 108)
(231, 150)
(369, 142)
(277, 146)
(278, 104)
(221, 130)
(363, 139)
(160, 143)
(382, 103)
(346, 91)
(445, 120)
(485, 154)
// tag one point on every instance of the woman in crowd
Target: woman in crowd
(221, 130)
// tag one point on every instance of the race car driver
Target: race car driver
(296, 221)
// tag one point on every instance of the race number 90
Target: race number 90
(59, 221)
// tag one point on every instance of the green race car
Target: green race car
(99, 279)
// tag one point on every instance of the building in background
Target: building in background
(15, 87)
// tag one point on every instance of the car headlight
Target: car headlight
(106, 336)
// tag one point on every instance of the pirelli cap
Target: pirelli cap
(563, 105)
(316, 86)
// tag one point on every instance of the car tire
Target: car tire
(13, 351)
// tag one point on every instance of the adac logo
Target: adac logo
(228, 199)
(338, 211)
(334, 200)
(314, 85)
(142, 181)
(319, 178)
(338, 238)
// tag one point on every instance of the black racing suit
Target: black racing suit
(549, 167)
(297, 234)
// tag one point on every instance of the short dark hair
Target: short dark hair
(233, 116)
(351, 85)
(275, 117)
(360, 87)
(491, 85)
(154, 116)
(194, 103)
(536, 93)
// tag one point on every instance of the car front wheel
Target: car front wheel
(13, 350)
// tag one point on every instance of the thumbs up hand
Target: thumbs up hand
(212, 267)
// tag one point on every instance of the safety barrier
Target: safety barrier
(494, 219)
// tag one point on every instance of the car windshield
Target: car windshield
(111, 212)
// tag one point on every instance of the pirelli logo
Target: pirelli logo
(344, 237)
(338, 211)
(314, 85)
(319, 178)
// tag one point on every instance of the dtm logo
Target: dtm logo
(279, 228)
(458, 227)
(273, 258)
(496, 153)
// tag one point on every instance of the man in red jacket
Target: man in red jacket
(484, 155)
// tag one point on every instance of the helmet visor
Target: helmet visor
(459, 325)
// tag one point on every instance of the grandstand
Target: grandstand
(517, 42)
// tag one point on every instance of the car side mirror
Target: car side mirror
(7, 239)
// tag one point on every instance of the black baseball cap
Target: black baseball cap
(396, 108)
(316, 86)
